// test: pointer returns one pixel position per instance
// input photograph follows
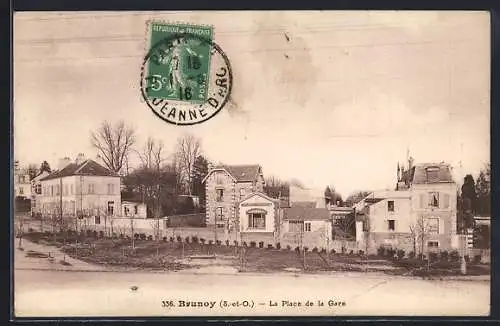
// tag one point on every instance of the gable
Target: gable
(257, 197)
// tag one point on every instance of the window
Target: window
(21, 191)
(52, 190)
(111, 189)
(91, 188)
(391, 225)
(97, 220)
(432, 225)
(242, 193)
(57, 190)
(446, 201)
(136, 209)
(433, 244)
(218, 214)
(434, 199)
(111, 207)
(432, 174)
(256, 221)
(295, 226)
(220, 194)
(390, 205)
(126, 210)
(65, 190)
(72, 190)
(38, 189)
(307, 226)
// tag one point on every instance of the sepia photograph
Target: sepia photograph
(251, 163)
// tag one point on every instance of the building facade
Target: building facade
(258, 217)
(36, 193)
(81, 188)
(22, 184)
(226, 186)
(420, 215)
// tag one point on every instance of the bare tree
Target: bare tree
(113, 143)
(151, 155)
(187, 150)
(421, 230)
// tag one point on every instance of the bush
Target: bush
(288, 247)
(150, 237)
(444, 255)
(306, 249)
(122, 236)
(401, 254)
(297, 249)
(227, 243)
(136, 236)
(235, 243)
(261, 244)
(333, 251)
(143, 236)
(164, 239)
(323, 250)
(351, 252)
(278, 246)
(171, 239)
(476, 259)
(253, 244)
(315, 249)
(343, 250)
(194, 239)
(270, 246)
(210, 242)
(186, 240)
(245, 244)
(361, 252)
(454, 256)
(179, 238)
(30, 230)
(218, 242)
(202, 240)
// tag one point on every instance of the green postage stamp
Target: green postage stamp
(179, 68)
(185, 78)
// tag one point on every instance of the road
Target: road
(70, 293)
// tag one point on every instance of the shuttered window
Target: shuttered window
(446, 201)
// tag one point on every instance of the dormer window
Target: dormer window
(432, 174)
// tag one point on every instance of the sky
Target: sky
(339, 103)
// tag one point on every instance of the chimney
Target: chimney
(80, 158)
(63, 162)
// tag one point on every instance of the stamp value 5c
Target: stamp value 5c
(186, 78)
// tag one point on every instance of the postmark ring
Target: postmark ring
(185, 113)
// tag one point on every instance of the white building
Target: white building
(134, 209)
(36, 193)
(83, 188)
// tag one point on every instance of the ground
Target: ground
(177, 254)
(46, 288)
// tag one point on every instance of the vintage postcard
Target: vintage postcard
(251, 163)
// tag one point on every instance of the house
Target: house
(133, 209)
(225, 186)
(310, 227)
(419, 215)
(22, 185)
(81, 188)
(36, 193)
(258, 218)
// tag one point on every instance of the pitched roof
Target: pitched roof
(88, 167)
(306, 213)
(261, 194)
(307, 204)
(432, 173)
(240, 173)
(243, 173)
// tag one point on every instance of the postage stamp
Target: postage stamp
(185, 78)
